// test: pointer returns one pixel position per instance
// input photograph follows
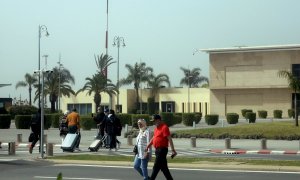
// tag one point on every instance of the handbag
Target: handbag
(135, 149)
(31, 137)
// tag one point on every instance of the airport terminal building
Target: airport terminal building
(240, 78)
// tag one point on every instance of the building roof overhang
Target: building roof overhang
(252, 49)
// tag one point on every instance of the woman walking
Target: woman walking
(142, 157)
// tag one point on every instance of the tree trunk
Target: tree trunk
(137, 98)
(296, 111)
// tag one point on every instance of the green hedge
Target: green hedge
(125, 119)
(23, 121)
(262, 114)
(198, 117)
(251, 116)
(211, 119)
(22, 110)
(232, 118)
(277, 114)
(291, 113)
(188, 119)
(178, 118)
(168, 118)
(55, 119)
(5, 121)
(244, 111)
(87, 122)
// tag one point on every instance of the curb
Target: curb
(242, 151)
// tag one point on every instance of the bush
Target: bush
(23, 121)
(87, 122)
(5, 120)
(277, 114)
(178, 118)
(211, 119)
(22, 110)
(198, 117)
(188, 119)
(291, 113)
(168, 118)
(232, 118)
(125, 118)
(244, 111)
(55, 119)
(251, 116)
(48, 121)
(262, 114)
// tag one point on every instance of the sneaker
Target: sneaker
(77, 149)
(30, 149)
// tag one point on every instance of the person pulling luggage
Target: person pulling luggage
(73, 121)
(100, 120)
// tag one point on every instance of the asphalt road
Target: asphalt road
(31, 170)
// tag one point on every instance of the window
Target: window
(82, 109)
(296, 70)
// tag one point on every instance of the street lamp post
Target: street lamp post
(42, 28)
(117, 42)
(42, 74)
(59, 78)
(189, 84)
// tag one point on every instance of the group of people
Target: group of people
(161, 140)
(110, 125)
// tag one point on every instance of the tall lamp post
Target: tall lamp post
(60, 65)
(117, 42)
(42, 28)
(189, 85)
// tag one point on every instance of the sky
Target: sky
(163, 34)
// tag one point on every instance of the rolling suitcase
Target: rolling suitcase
(97, 143)
(70, 142)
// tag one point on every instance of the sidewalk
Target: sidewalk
(238, 146)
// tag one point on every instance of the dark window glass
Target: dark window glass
(296, 70)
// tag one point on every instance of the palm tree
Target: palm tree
(97, 84)
(103, 62)
(156, 82)
(192, 78)
(137, 74)
(30, 80)
(58, 82)
(294, 84)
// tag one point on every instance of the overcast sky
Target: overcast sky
(163, 34)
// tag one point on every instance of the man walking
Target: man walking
(161, 139)
(74, 125)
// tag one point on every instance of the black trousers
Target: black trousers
(161, 163)
(37, 132)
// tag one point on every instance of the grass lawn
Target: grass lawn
(269, 130)
(184, 160)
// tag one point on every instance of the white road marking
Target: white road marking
(51, 177)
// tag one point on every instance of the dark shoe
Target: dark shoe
(30, 149)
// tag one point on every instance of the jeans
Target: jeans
(161, 164)
(141, 166)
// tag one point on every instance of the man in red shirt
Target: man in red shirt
(161, 140)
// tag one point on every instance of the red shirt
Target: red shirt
(161, 133)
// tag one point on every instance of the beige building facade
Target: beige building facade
(247, 78)
(177, 100)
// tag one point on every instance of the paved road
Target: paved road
(28, 170)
